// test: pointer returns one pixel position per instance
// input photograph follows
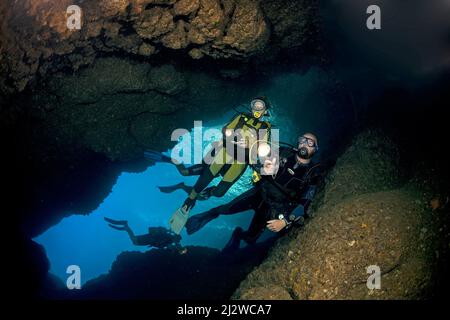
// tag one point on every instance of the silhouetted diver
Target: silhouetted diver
(158, 237)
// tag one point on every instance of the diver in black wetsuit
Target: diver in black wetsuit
(279, 202)
(157, 237)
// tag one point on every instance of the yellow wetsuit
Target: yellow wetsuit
(231, 158)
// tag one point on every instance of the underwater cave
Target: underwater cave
(80, 107)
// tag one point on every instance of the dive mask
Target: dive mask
(303, 152)
(258, 108)
(308, 141)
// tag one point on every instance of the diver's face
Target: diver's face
(308, 143)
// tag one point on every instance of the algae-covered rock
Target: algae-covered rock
(248, 30)
(358, 224)
(120, 107)
(35, 38)
(371, 163)
(272, 292)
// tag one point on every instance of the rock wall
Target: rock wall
(119, 107)
(365, 217)
(171, 274)
(35, 39)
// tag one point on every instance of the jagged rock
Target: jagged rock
(33, 267)
(115, 91)
(146, 49)
(266, 293)
(248, 31)
(330, 257)
(185, 7)
(195, 36)
(106, 77)
(113, 8)
(290, 21)
(118, 107)
(210, 19)
(370, 164)
(222, 29)
(138, 6)
(196, 53)
(177, 39)
(193, 273)
(154, 23)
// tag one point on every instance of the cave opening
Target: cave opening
(86, 240)
(83, 238)
(302, 101)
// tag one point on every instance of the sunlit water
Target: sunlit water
(88, 241)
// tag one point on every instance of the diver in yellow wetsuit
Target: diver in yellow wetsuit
(242, 136)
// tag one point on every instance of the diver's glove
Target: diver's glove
(156, 156)
(206, 194)
(189, 204)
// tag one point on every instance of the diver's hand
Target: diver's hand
(270, 167)
(276, 225)
(206, 194)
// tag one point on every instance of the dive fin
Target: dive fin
(119, 222)
(156, 156)
(178, 220)
(170, 189)
(196, 222)
(116, 227)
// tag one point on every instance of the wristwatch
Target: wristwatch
(281, 217)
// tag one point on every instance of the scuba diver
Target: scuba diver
(233, 145)
(280, 199)
(157, 237)
(230, 158)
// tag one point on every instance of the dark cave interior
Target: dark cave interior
(71, 131)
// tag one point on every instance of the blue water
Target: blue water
(87, 241)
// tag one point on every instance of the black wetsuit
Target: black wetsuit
(157, 237)
(294, 186)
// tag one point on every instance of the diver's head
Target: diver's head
(307, 146)
(259, 107)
